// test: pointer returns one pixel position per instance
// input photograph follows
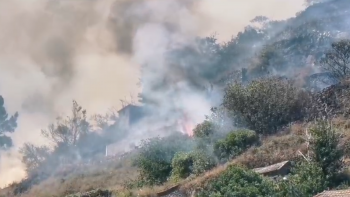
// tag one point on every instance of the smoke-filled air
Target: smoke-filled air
(173, 97)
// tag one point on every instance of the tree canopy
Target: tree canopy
(8, 125)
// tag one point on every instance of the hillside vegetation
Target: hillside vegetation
(285, 96)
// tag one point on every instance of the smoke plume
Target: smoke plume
(55, 51)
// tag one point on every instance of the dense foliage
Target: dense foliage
(265, 105)
(237, 181)
(234, 144)
(324, 145)
(337, 60)
(205, 130)
(194, 162)
(156, 155)
(307, 179)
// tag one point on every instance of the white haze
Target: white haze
(54, 51)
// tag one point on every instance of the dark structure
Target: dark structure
(171, 192)
(278, 169)
(131, 114)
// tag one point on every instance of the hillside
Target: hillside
(279, 92)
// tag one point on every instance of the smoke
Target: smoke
(55, 51)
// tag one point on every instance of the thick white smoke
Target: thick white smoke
(54, 51)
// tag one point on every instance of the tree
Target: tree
(337, 60)
(265, 105)
(7, 125)
(72, 139)
(33, 156)
(67, 131)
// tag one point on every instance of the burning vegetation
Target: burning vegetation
(276, 93)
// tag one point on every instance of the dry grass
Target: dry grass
(112, 176)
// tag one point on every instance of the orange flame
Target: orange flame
(187, 126)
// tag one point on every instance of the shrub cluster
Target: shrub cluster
(234, 144)
(194, 162)
(237, 181)
(155, 158)
(265, 105)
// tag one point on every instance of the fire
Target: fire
(186, 125)
(188, 128)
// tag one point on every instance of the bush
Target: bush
(204, 129)
(307, 179)
(238, 182)
(202, 161)
(234, 144)
(206, 134)
(156, 155)
(182, 165)
(195, 162)
(265, 105)
(324, 145)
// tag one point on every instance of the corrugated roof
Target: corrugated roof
(334, 193)
(271, 168)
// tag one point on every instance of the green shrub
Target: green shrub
(182, 165)
(156, 155)
(202, 161)
(234, 144)
(307, 180)
(238, 182)
(204, 129)
(265, 105)
(195, 162)
(324, 145)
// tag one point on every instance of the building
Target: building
(130, 115)
(334, 193)
(278, 169)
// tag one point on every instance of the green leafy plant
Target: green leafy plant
(265, 105)
(238, 182)
(307, 179)
(324, 146)
(156, 155)
(194, 162)
(234, 144)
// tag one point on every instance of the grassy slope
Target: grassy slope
(113, 175)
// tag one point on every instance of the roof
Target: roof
(271, 168)
(169, 191)
(128, 106)
(334, 193)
